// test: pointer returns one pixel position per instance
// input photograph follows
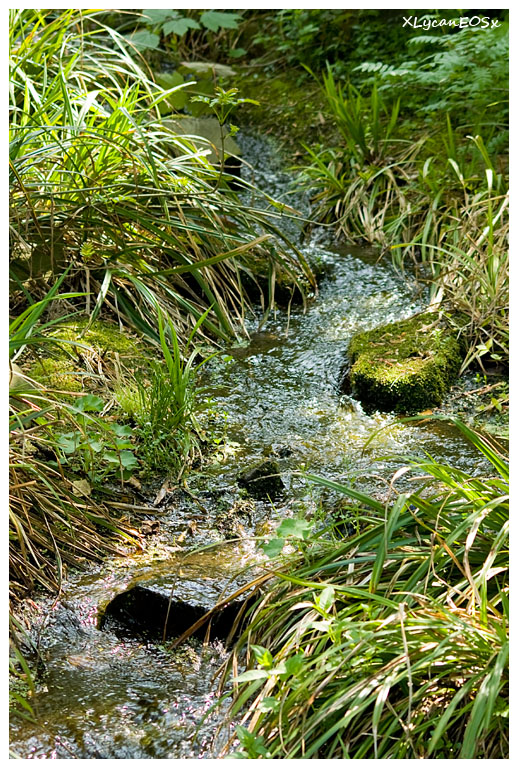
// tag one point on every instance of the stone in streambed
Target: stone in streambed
(403, 367)
(205, 135)
(173, 600)
(262, 481)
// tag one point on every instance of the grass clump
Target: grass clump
(96, 184)
(391, 643)
(405, 366)
(439, 201)
(163, 400)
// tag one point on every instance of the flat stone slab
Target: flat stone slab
(207, 129)
(166, 601)
(404, 367)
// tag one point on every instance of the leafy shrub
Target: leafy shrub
(441, 202)
(172, 29)
(464, 73)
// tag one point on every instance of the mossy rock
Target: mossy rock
(100, 335)
(403, 367)
(286, 290)
(61, 371)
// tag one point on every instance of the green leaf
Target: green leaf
(89, 403)
(143, 40)
(269, 704)
(179, 26)
(253, 745)
(326, 599)
(128, 459)
(69, 442)
(262, 655)
(298, 528)
(168, 80)
(249, 676)
(111, 457)
(213, 20)
(154, 16)
(273, 548)
(121, 430)
(294, 664)
(237, 53)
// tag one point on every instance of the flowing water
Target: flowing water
(107, 695)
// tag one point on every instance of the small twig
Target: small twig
(483, 390)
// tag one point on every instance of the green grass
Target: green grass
(95, 184)
(391, 643)
(439, 201)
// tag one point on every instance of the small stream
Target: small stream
(105, 695)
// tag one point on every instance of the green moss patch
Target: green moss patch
(101, 335)
(57, 374)
(403, 367)
(65, 369)
(289, 106)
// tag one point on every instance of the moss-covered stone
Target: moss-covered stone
(403, 367)
(286, 290)
(101, 335)
(65, 369)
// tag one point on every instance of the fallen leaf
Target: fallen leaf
(161, 494)
(81, 487)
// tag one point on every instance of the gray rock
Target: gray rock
(205, 135)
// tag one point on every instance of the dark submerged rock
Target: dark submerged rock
(147, 607)
(404, 367)
(262, 481)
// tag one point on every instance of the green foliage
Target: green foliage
(96, 448)
(22, 671)
(167, 401)
(22, 327)
(94, 183)
(304, 36)
(171, 30)
(438, 201)
(223, 103)
(391, 643)
(366, 127)
(465, 73)
(53, 519)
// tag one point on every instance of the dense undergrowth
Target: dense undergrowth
(130, 256)
(113, 216)
(392, 642)
(409, 146)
